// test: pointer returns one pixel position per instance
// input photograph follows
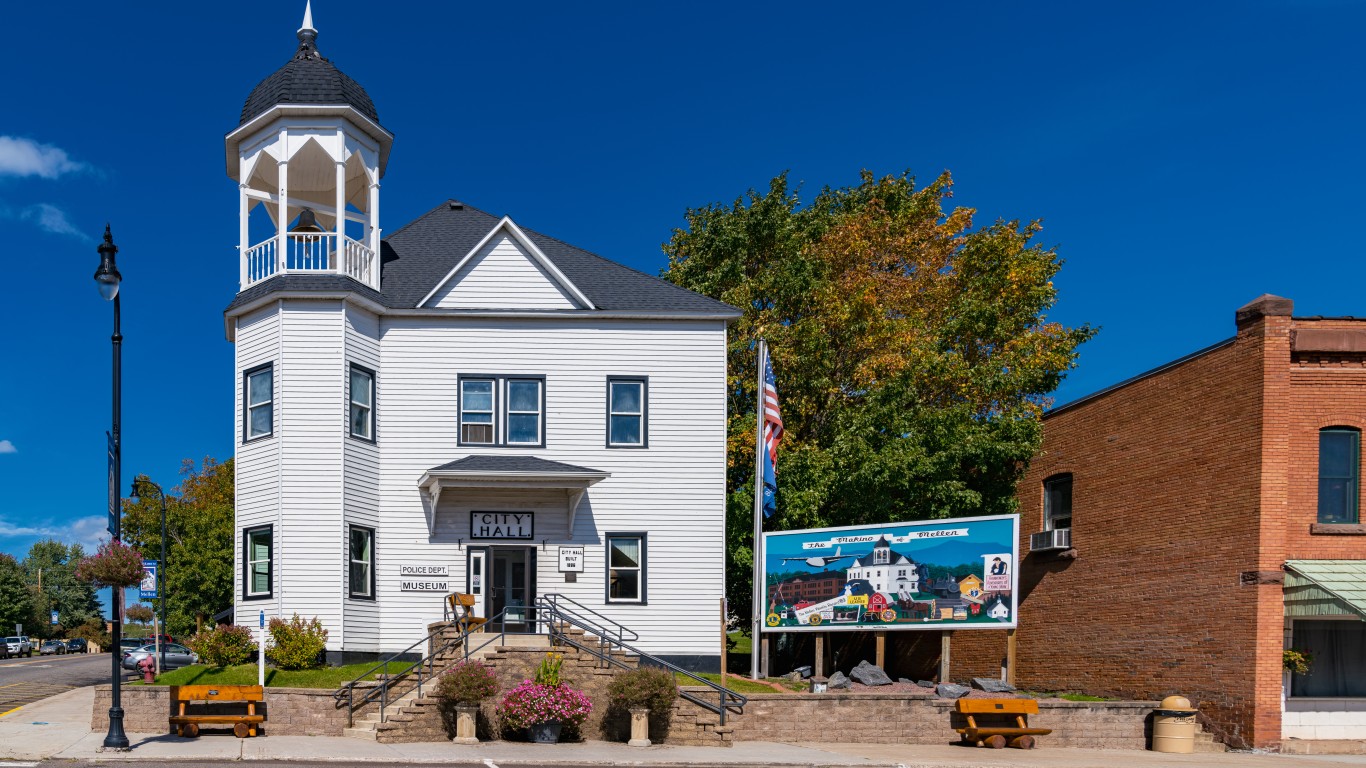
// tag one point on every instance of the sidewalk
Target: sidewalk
(59, 728)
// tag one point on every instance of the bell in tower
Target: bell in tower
(307, 156)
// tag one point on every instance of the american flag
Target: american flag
(773, 434)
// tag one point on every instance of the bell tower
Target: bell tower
(308, 155)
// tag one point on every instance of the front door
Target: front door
(512, 587)
(476, 578)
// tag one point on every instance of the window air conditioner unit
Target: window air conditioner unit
(1059, 538)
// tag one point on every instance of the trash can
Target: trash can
(1174, 726)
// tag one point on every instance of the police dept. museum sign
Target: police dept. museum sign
(424, 577)
(501, 525)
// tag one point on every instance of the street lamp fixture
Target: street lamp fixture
(134, 494)
(107, 278)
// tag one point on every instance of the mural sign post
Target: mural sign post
(934, 574)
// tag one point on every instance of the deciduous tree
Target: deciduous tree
(16, 600)
(199, 525)
(912, 350)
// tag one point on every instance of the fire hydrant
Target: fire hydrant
(148, 666)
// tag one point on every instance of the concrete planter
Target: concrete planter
(640, 727)
(465, 718)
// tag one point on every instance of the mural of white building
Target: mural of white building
(461, 405)
(887, 570)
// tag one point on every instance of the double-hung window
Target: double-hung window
(362, 402)
(626, 412)
(257, 549)
(1057, 503)
(258, 411)
(502, 410)
(524, 412)
(1339, 474)
(361, 557)
(626, 567)
(476, 411)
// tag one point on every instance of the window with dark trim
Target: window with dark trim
(362, 397)
(1339, 474)
(626, 571)
(361, 562)
(1057, 502)
(502, 410)
(627, 400)
(258, 565)
(258, 402)
(1339, 650)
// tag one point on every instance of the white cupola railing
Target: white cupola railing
(310, 253)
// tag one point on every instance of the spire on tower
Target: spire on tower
(308, 17)
(308, 36)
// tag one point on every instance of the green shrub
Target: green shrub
(650, 687)
(297, 643)
(468, 682)
(223, 646)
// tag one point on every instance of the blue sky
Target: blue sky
(1184, 158)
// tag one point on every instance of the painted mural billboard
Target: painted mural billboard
(935, 574)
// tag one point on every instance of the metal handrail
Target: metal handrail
(381, 691)
(622, 632)
(727, 700)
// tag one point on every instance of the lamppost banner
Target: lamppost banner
(148, 590)
(935, 574)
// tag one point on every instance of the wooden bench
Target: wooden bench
(242, 725)
(1002, 722)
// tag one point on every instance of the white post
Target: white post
(342, 266)
(281, 241)
(243, 235)
(374, 235)
(261, 654)
(758, 601)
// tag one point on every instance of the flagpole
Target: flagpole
(756, 643)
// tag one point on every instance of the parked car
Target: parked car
(52, 648)
(127, 644)
(32, 646)
(177, 656)
(18, 646)
(77, 645)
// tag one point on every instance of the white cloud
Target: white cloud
(7, 447)
(87, 531)
(26, 157)
(50, 218)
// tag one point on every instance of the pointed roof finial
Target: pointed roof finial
(308, 36)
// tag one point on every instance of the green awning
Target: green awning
(1325, 588)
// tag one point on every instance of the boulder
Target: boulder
(992, 685)
(951, 691)
(925, 683)
(869, 674)
(839, 681)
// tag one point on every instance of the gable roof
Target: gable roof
(506, 225)
(418, 257)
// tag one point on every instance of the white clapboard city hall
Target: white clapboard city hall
(461, 404)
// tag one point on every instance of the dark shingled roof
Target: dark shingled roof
(308, 78)
(513, 464)
(417, 257)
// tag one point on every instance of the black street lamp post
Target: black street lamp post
(161, 565)
(107, 278)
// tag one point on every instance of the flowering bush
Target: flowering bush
(297, 643)
(115, 565)
(223, 646)
(468, 682)
(548, 673)
(651, 687)
(533, 703)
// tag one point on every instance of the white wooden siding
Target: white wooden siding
(360, 618)
(674, 490)
(502, 275)
(257, 466)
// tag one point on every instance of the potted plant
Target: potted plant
(115, 564)
(463, 688)
(542, 707)
(643, 692)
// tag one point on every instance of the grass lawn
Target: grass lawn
(1065, 696)
(245, 674)
(740, 684)
(743, 643)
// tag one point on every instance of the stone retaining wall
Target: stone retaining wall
(288, 711)
(923, 719)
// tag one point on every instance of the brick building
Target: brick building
(1213, 512)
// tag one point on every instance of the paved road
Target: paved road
(25, 680)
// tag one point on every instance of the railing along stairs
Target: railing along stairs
(560, 613)
(560, 616)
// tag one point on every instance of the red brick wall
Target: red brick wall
(1182, 481)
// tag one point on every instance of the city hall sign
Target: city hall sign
(501, 525)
